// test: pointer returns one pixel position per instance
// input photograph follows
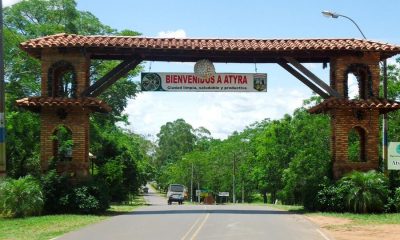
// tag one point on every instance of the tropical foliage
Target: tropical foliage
(20, 197)
(116, 149)
(367, 192)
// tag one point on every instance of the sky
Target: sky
(224, 113)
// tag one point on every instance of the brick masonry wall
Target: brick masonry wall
(80, 62)
(77, 120)
(344, 120)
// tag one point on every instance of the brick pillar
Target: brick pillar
(343, 120)
(75, 118)
(77, 121)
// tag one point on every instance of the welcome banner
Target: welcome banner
(189, 82)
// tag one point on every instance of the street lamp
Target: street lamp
(336, 15)
(384, 120)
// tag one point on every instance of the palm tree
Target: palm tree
(367, 191)
(20, 197)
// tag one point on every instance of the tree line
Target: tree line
(286, 159)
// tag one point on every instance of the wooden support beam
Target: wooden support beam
(303, 79)
(313, 77)
(111, 77)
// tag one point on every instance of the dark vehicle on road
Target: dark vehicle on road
(176, 193)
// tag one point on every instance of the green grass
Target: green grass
(361, 219)
(358, 219)
(44, 227)
(117, 209)
(51, 226)
(290, 208)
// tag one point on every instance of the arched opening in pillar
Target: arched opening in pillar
(358, 82)
(357, 145)
(62, 80)
(62, 144)
(352, 87)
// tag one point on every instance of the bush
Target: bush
(61, 196)
(331, 198)
(91, 197)
(55, 188)
(20, 197)
(367, 192)
(394, 201)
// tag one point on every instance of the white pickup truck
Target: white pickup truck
(176, 193)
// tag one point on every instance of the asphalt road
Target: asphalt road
(211, 222)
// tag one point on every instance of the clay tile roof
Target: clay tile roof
(384, 106)
(63, 40)
(36, 103)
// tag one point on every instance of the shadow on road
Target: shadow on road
(215, 211)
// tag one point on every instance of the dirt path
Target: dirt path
(346, 229)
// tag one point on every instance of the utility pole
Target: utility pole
(242, 191)
(3, 160)
(233, 178)
(385, 123)
(198, 188)
(191, 186)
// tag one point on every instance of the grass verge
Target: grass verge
(364, 219)
(290, 208)
(357, 219)
(51, 226)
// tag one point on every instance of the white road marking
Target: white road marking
(200, 226)
(322, 234)
(190, 230)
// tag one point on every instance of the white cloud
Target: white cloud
(180, 33)
(352, 86)
(392, 61)
(221, 113)
(7, 3)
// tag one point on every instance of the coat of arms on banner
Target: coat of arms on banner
(260, 82)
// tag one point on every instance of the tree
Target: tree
(174, 140)
(36, 18)
(311, 158)
(274, 153)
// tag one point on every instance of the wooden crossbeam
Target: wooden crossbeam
(111, 77)
(313, 77)
(303, 79)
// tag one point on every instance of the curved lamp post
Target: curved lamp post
(336, 15)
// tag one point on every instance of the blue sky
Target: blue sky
(223, 113)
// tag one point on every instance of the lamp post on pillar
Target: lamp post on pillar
(336, 15)
(384, 120)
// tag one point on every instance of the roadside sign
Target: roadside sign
(189, 82)
(223, 194)
(394, 156)
(198, 192)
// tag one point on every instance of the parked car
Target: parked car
(176, 193)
